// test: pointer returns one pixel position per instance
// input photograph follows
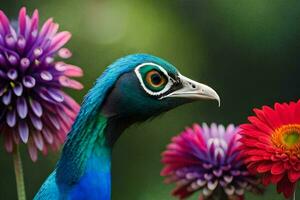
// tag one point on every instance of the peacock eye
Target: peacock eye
(155, 79)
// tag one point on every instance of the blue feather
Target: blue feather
(83, 171)
(95, 183)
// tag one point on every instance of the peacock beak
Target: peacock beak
(194, 90)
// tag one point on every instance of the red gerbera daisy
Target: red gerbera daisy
(271, 145)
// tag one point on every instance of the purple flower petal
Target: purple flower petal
(32, 152)
(34, 21)
(228, 179)
(47, 135)
(55, 95)
(208, 176)
(43, 93)
(64, 53)
(4, 24)
(21, 43)
(59, 40)
(218, 172)
(46, 28)
(229, 190)
(2, 90)
(37, 52)
(49, 60)
(11, 118)
(72, 71)
(235, 172)
(22, 108)
(6, 99)
(36, 122)
(18, 89)
(25, 63)
(22, 21)
(13, 60)
(60, 66)
(46, 76)
(198, 159)
(38, 140)
(71, 103)
(23, 131)
(12, 74)
(2, 60)
(1, 39)
(54, 121)
(8, 143)
(36, 107)
(212, 185)
(10, 41)
(66, 82)
(3, 75)
(29, 81)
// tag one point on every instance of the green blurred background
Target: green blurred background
(247, 50)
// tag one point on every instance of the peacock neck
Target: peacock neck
(82, 145)
(86, 157)
(89, 142)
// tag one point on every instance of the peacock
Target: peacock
(132, 89)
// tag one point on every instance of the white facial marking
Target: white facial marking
(152, 93)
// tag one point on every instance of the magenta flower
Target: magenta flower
(207, 159)
(33, 107)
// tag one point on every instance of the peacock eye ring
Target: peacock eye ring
(155, 79)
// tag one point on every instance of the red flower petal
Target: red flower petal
(276, 178)
(262, 156)
(272, 117)
(266, 179)
(294, 175)
(286, 187)
(264, 167)
(277, 168)
(260, 125)
(283, 113)
(297, 115)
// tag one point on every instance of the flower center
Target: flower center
(291, 138)
(287, 137)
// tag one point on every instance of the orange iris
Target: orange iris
(155, 79)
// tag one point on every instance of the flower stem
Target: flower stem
(19, 174)
(294, 195)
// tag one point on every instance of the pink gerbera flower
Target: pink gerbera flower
(33, 107)
(206, 159)
(271, 145)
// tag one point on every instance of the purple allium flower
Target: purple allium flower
(33, 107)
(207, 159)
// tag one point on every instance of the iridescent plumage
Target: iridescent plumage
(118, 99)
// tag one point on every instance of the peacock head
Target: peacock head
(145, 86)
